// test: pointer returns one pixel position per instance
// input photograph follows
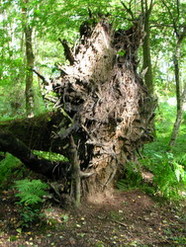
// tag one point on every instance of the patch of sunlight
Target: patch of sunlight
(172, 101)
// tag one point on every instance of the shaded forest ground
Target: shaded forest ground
(129, 218)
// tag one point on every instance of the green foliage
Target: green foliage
(169, 168)
(39, 104)
(50, 155)
(132, 177)
(63, 20)
(169, 175)
(165, 117)
(30, 194)
(121, 53)
(64, 218)
(7, 166)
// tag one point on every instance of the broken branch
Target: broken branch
(45, 82)
(68, 53)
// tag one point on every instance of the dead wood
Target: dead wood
(39, 132)
(67, 51)
(76, 179)
(109, 109)
(50, 169)
(44, 80)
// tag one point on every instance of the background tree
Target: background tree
(178, 21)
(147, 64)
(28, 30)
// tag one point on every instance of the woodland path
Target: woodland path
(129, 218)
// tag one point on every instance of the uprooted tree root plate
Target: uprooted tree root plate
(107, 110)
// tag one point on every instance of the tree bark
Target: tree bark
(38, 132)
(76, 178)
(29, 73)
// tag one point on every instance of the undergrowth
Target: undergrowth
(167, 166)
(31, 197)
(169, 175)
(8, 166)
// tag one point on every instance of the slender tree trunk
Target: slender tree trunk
(180, 35)
(180, 97)
(176, 128)
(147, 57)
(29, 73)
(180, 94)
(147, 64)
(29, 95)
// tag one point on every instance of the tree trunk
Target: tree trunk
(29, 73)
(147, 65)
(38, 132)
(50, 169)
(176, 128)
(180, 94)
(29, 95)
(180, 34)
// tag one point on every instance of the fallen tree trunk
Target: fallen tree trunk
(37, 132)
(50, 169)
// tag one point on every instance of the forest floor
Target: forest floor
(129, 218)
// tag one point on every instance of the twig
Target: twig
(76, 180)
(120, 223)
(129, 11)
